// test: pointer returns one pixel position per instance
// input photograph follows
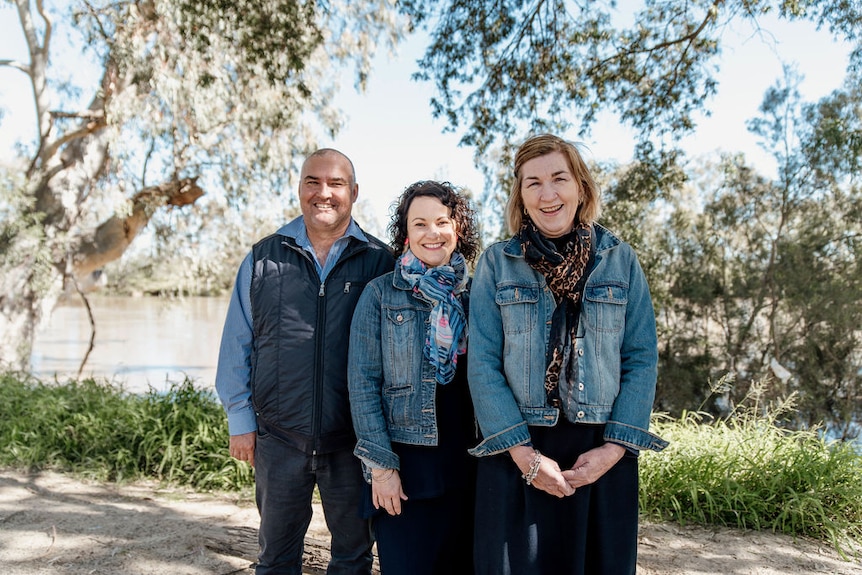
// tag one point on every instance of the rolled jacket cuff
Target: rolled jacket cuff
(503, 441)
(633, 438)
(373, 455)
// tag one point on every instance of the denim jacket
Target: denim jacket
(616, 347)
(392, 386)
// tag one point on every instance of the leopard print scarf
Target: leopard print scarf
(565, 270)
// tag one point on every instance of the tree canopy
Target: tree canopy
(503, 68)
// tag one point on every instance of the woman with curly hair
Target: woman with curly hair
(408, 389)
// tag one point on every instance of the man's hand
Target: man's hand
(242, 447)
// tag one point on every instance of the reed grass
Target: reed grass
(97, 430)
(749, 471)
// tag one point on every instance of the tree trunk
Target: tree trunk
(28, 285)
(47, 244)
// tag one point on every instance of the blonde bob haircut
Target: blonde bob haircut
(541, 145)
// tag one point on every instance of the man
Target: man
(282, 370)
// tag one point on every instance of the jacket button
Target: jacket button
(581, 414)
(581, 386)
(399, 317)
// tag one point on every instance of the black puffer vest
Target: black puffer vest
(301, 334)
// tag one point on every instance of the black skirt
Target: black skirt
(520, 529)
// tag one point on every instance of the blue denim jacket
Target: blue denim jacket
(616, 347)
(392, 386)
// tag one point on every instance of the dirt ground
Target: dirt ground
(52, 523)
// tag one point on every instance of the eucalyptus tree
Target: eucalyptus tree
(195, 96)
(766, 274)
(815, 329)
(199, 95)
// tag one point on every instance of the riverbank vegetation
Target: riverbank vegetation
(97, 430)
(745, 470)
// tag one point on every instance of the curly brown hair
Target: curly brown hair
(460, 209)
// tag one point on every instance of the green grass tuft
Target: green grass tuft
(97, 430)
(747, 471)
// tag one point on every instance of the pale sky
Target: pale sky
(393, 141)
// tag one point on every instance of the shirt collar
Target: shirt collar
(296, 230)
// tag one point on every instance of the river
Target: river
(141, 342)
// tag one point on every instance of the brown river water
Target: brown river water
(140, 343)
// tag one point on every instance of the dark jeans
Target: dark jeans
(285, 478)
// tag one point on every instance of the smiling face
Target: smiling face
(550, 193)
(327, 193)
(431, 231)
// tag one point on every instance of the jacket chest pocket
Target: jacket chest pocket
(605, 306)
(399, 338)
(517, 307)
(403, 356)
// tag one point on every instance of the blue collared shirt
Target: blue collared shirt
(233, 372)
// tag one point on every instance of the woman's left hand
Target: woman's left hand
(594, 463)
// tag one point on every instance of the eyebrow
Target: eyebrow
(432, 218)
(557, 173)
(319, 178)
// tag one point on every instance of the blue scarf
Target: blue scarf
(446, 338)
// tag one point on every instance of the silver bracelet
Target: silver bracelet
(530, 475)
(384, 476)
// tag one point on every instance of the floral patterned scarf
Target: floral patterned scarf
(440, 286)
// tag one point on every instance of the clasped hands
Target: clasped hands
(588, 468)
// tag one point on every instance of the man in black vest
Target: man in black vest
(282, 370)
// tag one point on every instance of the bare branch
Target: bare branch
(95, 115)
(96, 123)
(49, 25)
(114, 235)
(38, 66)
(16, 64)
(711, 15)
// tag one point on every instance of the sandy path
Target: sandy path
(53, 524)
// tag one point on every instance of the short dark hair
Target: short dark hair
(461, 212)
(328, 151)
